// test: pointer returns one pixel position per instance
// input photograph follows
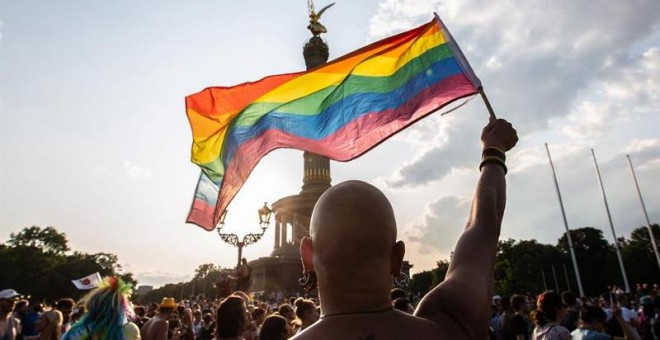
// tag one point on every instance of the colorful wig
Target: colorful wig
(108, 310)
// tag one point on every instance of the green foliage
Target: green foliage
(638, 256)
(439, 272)
(518, 265)
(596, 259)
(39, 266)
(421, 282)
(47, 239)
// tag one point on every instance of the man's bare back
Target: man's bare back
(155, 329)
(392, 324)
(354, 254)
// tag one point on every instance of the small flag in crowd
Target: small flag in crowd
(88, 282)
(339, 110)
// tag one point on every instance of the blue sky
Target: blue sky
(94, 139)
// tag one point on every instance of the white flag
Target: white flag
(88, 282)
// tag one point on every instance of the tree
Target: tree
(204, 270)
(638, 256)
(36, 264)
(518, 265)
(596, 259)
(48, 239)
(439, 272)
(421, 283)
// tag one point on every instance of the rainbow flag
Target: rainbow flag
(340, 110)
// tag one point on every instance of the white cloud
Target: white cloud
(442, 224)
(159, 278)
(134, 171)
(540, 62)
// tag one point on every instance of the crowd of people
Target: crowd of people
(107, 313)
(555, 316)
(351, 259)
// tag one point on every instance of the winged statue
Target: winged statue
(314, 25)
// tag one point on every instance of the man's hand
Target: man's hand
(500, 134)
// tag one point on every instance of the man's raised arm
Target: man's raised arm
(462, 301)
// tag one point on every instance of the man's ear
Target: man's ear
(398, 251)
(307, 254)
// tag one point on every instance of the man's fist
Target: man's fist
(500, 134)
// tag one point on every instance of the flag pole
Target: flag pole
(568, 232)
(545, 284)
(568, 283)
(648, 221)
(554, 275)
(609, 218)
(487, 102)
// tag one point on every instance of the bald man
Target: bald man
(354, 253)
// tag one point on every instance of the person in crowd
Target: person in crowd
(628, 311)
(49, 326)
(396, 293)
(197, 321)
(140, 316)
(275, 327)
(232, 320)
(592, 325)
(29, 322)
(258, 316)
(65, 306)
(648, 320)
(186, 323)
(158, 326)
(550, 312)
(208, 327)
(404, 305)
(519, 326)
(306, 312)
(21, 308)
(243, 277)
(152, 310)
(572, 305)
(502, 327)
(174, 325)
(10, 327)
(495, 312)
(285, 310)
(353, 255)
(108, 315)
(223, 287)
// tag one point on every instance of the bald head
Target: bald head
(353, 222)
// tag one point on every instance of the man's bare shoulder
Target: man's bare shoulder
(390, 325)
(152, 327)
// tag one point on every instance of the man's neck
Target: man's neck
(334, 301)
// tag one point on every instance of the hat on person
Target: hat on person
(168, 302)
(645, 300)
(9, 294)
(496, 297)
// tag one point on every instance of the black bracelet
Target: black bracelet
(492, 159)
(491, 151)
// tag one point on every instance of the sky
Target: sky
(94, 139)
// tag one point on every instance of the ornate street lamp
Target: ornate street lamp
(264, 221)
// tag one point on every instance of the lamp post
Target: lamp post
(264, 221)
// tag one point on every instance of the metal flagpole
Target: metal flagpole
(648, 222)
(554, 275)
(568, 233)
(545, 284)
(568, 283)
(609, 217)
